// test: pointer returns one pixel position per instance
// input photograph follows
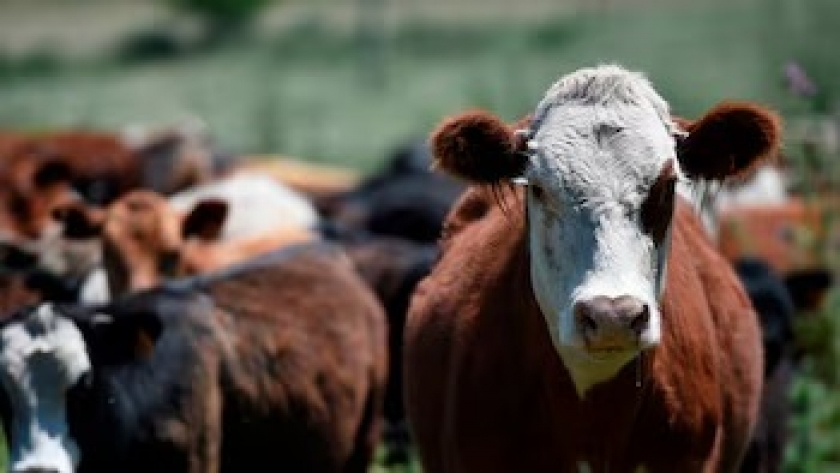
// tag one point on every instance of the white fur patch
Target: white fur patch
(256, 204)
(599, 141)
(40, 358)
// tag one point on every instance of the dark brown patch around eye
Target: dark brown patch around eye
(538, 192)
(658, 207)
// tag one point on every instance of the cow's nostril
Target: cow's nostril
(640, 322)
(588, 322)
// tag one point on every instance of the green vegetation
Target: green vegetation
(308, 93)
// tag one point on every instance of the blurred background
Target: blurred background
(343, 82)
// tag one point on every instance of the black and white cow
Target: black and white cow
(281, 361)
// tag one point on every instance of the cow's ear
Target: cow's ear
(479, 148)
(808, 287)
(205, 220)
(51, 172)
(731, 140)
(79, 222)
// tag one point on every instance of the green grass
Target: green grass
(312, 94)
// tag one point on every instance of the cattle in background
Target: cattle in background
(146, 240)
(389, 225)
(279, 362)
(105, 165)
(257, 204)
(392, 267)
(176, 158)
(405, 199)
(793, 235)
(559, 342)
(314, 180)
(777, 301)
(40, 172)
(30, 190)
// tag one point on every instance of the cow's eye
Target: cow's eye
(538, 192)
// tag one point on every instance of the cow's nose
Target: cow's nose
(36, 470)
(612, 321)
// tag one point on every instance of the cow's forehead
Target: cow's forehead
(602, 123)
(594, 148)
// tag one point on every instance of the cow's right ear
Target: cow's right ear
(205, 220)
(478, 147)
(79, 222)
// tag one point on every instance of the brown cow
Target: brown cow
(549, 336)
(794, 235)
(145, 241)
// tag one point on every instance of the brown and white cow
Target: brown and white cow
(586, 322)
(145, 240)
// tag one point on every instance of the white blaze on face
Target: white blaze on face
(595, 154)
(40, 358)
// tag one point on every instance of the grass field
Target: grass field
(311, 92)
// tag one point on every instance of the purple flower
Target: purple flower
(798, 81)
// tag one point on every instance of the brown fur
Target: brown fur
(730, 141)
(202, 256)
(91, 156)
(478, 147)
(306, 341)
(27, 200)
(283, 364)
(786, 236)
(487, 392)
(146, 241)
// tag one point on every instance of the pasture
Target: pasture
(309, 83)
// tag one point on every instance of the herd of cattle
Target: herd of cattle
(562, 302)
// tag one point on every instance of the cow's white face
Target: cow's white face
(601, 176)
(41, 357)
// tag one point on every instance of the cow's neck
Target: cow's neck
(598, 424)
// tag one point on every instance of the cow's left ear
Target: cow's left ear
(478, 147)
(731, 140)
(205, 220)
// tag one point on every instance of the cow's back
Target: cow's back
(308, 365)
(486, 390)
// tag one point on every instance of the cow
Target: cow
(777, 300)
(796, 234)
(146, 240)
(586, 322)
(257, 204)
(280, 361)
(30, 191)
(40, 172)
(103, 165)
